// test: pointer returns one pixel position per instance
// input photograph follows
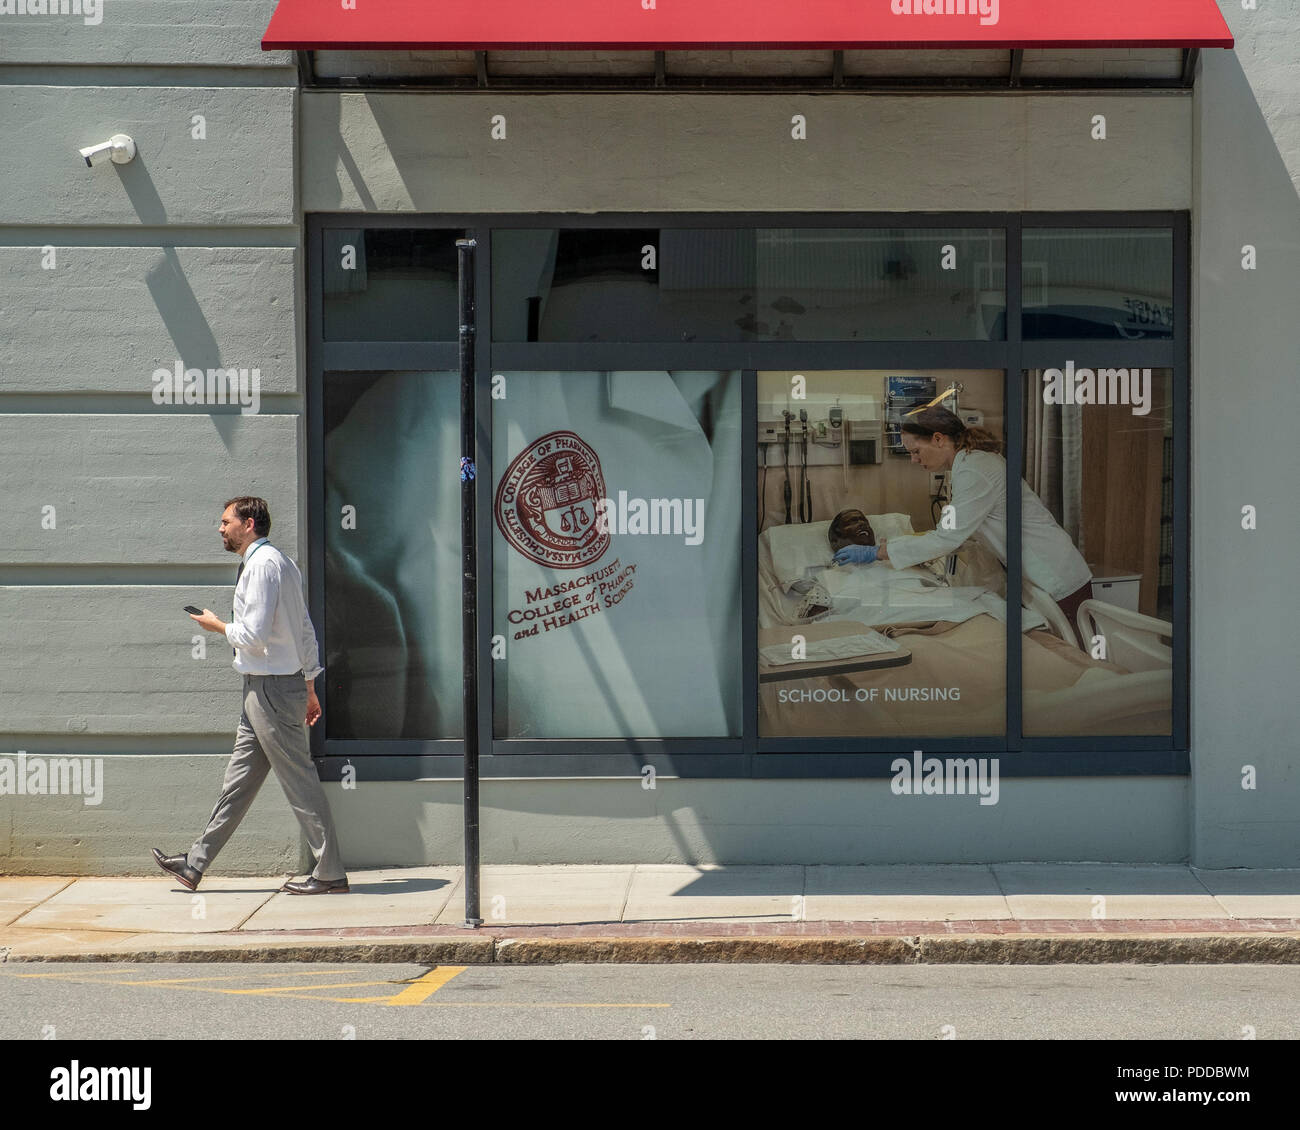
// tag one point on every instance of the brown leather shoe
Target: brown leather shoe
(313, 886)
(179, 866)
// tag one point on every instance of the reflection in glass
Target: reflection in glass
(744, 284)
(911, 648)
(619, 620)
(392, 556)
(1087, 283)
(1099, 453)
(389, 284)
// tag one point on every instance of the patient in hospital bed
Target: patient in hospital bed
(803, 584)
(850, 527)
(953, 627)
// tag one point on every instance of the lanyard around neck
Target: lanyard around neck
(250, 557)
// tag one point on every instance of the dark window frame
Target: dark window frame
(748, 756)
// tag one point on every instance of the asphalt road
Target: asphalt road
(639, 1002)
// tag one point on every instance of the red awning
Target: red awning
(674, 25)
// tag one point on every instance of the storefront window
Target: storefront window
(389, 284)
(643, 595)
(745, 284)
(616, 554)
(1086, 283)
(1098, 550)
(851, 645)
(392, 556)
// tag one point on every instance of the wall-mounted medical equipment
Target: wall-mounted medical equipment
(817, 431)
(841, 430)
(902, 395)
(865, 442)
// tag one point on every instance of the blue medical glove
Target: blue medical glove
(856, 555)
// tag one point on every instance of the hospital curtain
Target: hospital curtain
(1053, 461)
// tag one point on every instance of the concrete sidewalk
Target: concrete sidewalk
(1032, 913)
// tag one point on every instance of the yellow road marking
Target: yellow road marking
(229, 977)
(415, 993)
(190, 988)
(301, 988)
(478, 1004)
(538, 1004)
(427, 985)
(177, 980)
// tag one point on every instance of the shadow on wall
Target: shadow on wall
(179, 309)
(323, 123)
(138, 185)
(1261, 187)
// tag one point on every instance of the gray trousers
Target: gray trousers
(273, 735)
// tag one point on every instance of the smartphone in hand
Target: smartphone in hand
(193, 611)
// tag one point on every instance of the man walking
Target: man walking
(275, 651)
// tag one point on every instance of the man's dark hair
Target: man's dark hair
(246, 506)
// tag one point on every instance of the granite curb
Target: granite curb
(918, 949)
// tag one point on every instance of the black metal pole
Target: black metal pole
(469, 573)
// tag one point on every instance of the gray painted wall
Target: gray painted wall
(141, 308)
(237, 175)
(140, 489)
(199, 33)
(583, 153)
(1247, 400)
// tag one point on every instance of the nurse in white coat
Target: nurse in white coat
(939, 441)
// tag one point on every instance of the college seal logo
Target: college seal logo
(546, 502)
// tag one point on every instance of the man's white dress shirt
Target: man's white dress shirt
(1048, 556)
(271, 632)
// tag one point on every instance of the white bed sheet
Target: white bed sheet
(878, 594)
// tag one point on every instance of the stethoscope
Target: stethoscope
(785, 458)
(805, 486)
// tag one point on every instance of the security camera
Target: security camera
(119, 149)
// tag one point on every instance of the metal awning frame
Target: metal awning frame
(834, 81)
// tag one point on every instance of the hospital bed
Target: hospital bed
(953, 626)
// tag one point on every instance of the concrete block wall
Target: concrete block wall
(189, 254)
